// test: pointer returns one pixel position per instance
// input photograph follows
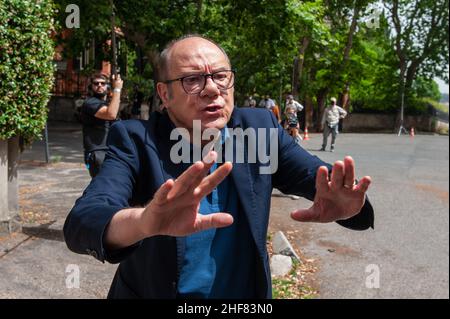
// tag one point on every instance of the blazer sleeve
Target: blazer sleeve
(296, 175)
(109, 192)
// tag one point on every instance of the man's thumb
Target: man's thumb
(305, 215)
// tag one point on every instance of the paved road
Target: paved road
(410, 243)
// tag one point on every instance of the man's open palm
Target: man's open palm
(336, 199)
(174, 209)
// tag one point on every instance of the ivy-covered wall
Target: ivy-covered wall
(26, 67)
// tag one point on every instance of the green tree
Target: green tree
(421, 41)
(426, 88)
(371, 70)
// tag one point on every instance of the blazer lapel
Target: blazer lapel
(164, 145)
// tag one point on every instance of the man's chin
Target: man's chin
(219, 123)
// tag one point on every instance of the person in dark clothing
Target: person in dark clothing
(97, 114)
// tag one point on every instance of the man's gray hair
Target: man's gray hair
(163, 61)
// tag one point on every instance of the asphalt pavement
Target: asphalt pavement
(407, 254)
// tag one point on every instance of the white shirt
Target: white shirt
(332, 114)
(269, 104)
(295, 105)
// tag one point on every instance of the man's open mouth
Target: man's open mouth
(212, 109)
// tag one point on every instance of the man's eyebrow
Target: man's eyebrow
(213, 71)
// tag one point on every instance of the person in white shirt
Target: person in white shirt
(267, 102)
(250, 102)
(290, 102)
(330, 123)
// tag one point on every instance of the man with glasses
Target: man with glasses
(96, 116)
(199, 229)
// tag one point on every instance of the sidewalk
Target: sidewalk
(36, 263)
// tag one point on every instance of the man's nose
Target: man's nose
(211, 88)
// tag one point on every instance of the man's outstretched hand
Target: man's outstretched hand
(174, 208)
(338, 198)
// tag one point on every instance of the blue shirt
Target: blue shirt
(220, 263)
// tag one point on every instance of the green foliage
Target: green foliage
(26, 68)
(263, 37)
(426, 88)
(135, 79)
(436, 105)
(373, 73)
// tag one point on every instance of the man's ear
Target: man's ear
(163, 92)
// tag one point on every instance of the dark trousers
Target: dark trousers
(94, 161)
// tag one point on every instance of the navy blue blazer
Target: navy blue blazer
(138, 163)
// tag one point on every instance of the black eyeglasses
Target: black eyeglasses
(195, 83)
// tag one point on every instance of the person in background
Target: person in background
(290, 102)
(97, 115)
(291, 123)
(330, 123)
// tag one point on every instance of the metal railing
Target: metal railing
(70, 84)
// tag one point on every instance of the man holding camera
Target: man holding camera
(330, 123)
(97, 115)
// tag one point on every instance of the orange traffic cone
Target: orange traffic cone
(411, 132)
(305, 135)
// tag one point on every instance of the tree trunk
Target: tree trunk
(309, 112)
(351, 33)
(410, 76)
(13, 164)
(345, 97)
(337, 75)
(9, 195)
(298, 67)
(321, 103)
(4, 210)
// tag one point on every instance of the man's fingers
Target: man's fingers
(363, 184)
(161, 195)
(211, 181)
(184, 181)
(305, 215)
(216, 220)
(349, 172)
(208, 162)
(192, 177)
(337, 175)
(322, 180)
